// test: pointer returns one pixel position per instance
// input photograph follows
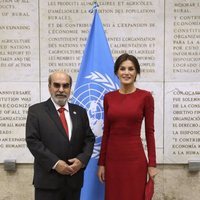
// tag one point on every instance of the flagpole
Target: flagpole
(95, 6)
(95, 2)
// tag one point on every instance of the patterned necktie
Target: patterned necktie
(63, 119)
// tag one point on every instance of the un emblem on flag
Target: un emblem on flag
(90, 95)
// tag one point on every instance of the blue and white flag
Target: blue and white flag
(96, 77)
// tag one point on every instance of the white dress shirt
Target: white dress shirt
(67, 116)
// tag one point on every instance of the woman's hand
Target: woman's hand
(152, 171)
(101, 174)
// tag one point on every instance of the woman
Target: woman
(122, 163)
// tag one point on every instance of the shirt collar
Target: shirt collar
(57, 106)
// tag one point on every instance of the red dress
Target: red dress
(122, 151)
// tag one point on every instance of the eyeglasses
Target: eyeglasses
(58, 85)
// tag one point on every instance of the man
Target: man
(61, 151)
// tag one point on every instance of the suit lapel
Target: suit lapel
(74, 117)
(52, 112)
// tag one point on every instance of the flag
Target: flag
(96, 77)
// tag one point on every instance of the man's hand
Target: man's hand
(63, 168)
(75, 166)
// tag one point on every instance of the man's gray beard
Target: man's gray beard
(60, 102)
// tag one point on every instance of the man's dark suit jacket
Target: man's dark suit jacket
(48, 142)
